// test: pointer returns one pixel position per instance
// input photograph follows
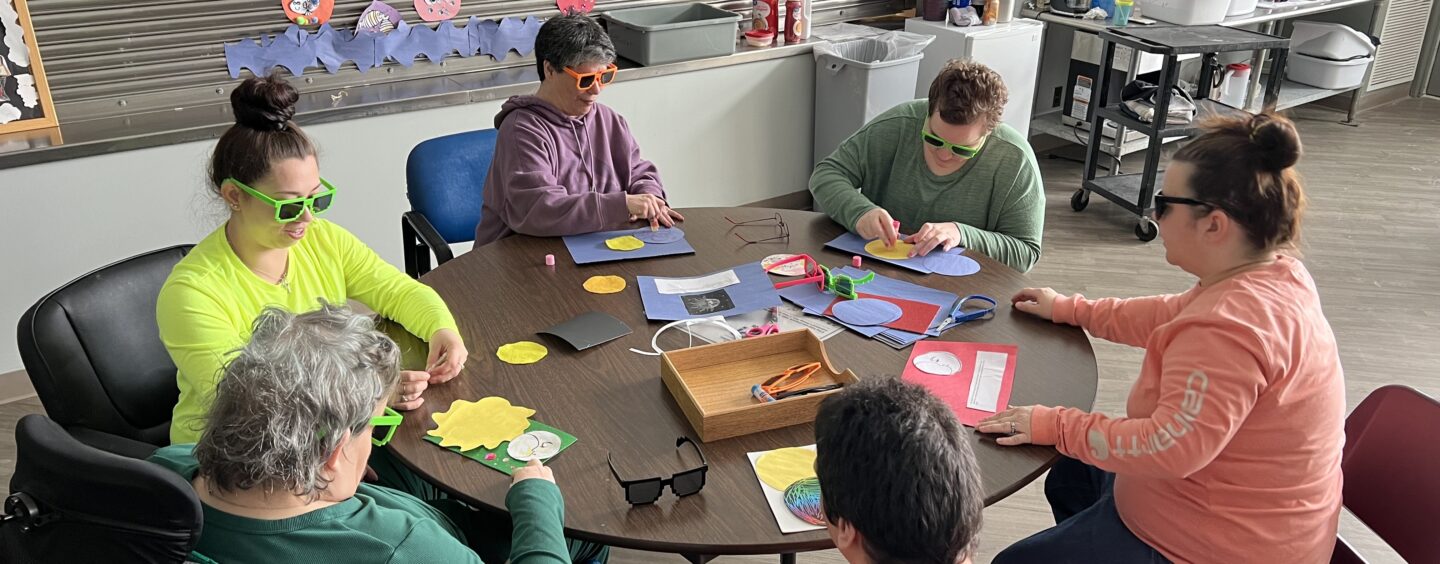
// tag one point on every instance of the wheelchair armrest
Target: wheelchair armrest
(428, 236)
(114, 444)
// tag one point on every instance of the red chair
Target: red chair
(1392, 472)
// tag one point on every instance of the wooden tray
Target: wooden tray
(712, 383)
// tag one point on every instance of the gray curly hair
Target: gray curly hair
(571, 40)
(287, 400)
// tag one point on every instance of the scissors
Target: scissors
(771, 326)
(960, 315)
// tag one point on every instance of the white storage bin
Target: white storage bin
(1185, 12)
(1330, 41)
(1242, 7)
(1333, 75)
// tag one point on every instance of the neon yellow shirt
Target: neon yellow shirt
(211, 299)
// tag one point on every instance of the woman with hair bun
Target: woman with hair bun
(273, 250)
(1229, 450)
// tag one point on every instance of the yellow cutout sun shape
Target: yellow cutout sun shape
(625, 243)
(781, 467)
(487, 423)
(900, 251)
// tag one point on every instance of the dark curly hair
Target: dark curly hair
(966, 92)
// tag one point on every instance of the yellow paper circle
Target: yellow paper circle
(781, 467)
(604, 284)
(487, 423)
(626, 243)
(900, 251)
(523, 352)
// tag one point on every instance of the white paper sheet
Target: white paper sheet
(791, 318)
(787, 521)
(696, 285)
(986, 382)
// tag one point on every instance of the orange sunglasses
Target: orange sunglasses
(791, 378)
(585, 81)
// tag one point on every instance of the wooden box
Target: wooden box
(712, 383)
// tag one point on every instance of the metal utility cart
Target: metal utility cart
(1136, 192)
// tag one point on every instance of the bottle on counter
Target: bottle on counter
(1123, 9)
(992, 12)
(797, 20)
(766, 15)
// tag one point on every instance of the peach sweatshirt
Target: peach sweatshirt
(1230, 447)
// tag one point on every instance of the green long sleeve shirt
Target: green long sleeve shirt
(210, 301)
(996, 198)
(377, 524)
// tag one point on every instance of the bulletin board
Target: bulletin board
(24, 95)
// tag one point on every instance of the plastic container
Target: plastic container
(1123, 9)
(765, 15)
(1330, 41)
(797, 20)
(759, 38)
(1242, 7)
(1332, 75)
(666, 34)
(858, 80)
(1185, 12)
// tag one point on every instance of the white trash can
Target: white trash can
(860, 79)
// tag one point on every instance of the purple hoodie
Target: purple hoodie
(557, 175)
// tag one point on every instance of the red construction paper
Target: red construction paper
(954, 390)
(915, 317)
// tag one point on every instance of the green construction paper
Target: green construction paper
(502, 461)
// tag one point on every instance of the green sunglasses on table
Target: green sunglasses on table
(291, 209)
(385, 426)
(961, 151)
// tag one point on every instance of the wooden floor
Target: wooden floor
(1371, 242)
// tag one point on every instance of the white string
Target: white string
(716, 320)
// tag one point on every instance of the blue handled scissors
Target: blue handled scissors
(771, 326)
(961, 315)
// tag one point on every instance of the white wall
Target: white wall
(59, 220)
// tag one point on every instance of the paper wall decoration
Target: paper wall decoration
(379, 18)
(24, 95)
(308, 12)
(296, 49)
(437, 10)
(575, 6)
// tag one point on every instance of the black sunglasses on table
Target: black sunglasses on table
(640, 492)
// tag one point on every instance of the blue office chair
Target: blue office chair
(444, 179)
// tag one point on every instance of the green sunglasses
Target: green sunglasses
(960, 150)
(844, 285)
(385, 426)
(290, 210)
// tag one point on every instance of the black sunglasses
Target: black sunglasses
(640, 492)
(1163, 203)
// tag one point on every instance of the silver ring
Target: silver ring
(1012, 428)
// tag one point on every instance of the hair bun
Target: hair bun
(1276, 142)
(264, 103)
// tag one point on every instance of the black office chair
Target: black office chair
(72, 503)
(93, 352)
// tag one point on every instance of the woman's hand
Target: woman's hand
(1013, 422)
(447, 356)
(652, 208)
(412, 384)
(946, 236)
(1039, 302)
(532, 471)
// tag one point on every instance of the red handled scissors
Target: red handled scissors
(771, 327)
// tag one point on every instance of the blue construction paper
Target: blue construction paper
(661, 237)
(590, 248)
(753, 293)
(949, 264)
(297, 50)
(866, 312)
(814, 301)
(852, 243)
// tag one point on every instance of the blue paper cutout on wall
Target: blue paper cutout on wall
(297, 50)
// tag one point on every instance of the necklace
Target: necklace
(283, 280)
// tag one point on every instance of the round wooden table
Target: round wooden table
(613, 400)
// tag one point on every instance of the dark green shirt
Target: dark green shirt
(996, 198)
(376, 525)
